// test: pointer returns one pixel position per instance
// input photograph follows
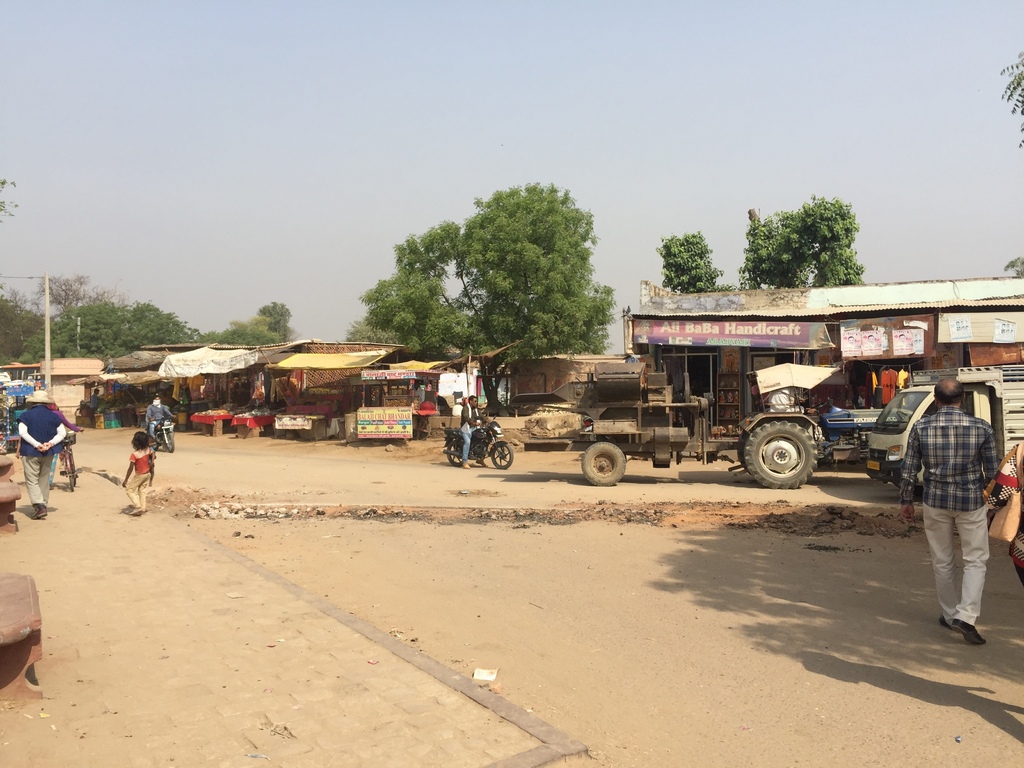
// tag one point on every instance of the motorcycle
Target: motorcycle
(164, 432)
(487, 441)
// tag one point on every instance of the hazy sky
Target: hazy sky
(212, 157)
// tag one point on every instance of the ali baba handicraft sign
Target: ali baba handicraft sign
(731, 333)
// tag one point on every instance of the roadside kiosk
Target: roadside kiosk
(396, 403)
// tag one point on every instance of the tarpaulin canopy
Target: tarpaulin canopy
(792, 375)
(137, 378)
(338, 361)
(416, 365)
(207, 360)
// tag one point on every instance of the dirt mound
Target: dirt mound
(781, 517)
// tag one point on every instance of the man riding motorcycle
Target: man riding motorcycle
(156, 413)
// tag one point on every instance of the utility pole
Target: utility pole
(47, 364)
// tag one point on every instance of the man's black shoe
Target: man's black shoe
(943, 622)
(968, 631)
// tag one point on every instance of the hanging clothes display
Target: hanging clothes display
(888, 379)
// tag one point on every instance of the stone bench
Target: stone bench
(10, 492)
(21, 637)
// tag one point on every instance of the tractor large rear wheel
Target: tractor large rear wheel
(603, 464)
(780, 455)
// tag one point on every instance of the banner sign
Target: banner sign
(759, 333)
(383, 423)
(396, 375)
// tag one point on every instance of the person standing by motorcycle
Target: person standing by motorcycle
(156, 413)
(470, 420)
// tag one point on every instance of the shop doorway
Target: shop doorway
(701, 369)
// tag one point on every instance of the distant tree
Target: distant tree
(797, 249)
(18, 323)
(516, 272)
(361, 330)
(253, 332)
(1016, 266)
(71, 291)
(5, 207)
(687, 267)
(1014, 93)
(110, 330)
(278, 318)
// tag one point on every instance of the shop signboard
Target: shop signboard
(389, 375)
(383, 423)
(292, 421)
(885, 338)
(760, 333)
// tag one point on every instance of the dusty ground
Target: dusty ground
(686, 616)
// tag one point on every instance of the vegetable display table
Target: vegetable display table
(252, 425)
(212, 423)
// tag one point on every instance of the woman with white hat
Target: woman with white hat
(41, 432)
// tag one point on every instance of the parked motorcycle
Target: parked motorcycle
(164, 436)
(487, 441)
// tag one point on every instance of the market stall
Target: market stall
(216, 385)
(115, 400)
(396, 402)
(317, 411)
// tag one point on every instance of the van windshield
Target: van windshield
(895, 417)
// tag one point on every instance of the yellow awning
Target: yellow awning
(340, 361)
(417, 365)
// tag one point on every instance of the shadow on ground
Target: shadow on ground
(825, 604)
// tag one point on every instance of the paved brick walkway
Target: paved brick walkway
(162, 648)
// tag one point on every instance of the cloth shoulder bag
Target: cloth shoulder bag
(1006, 521)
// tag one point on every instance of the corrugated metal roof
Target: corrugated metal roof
(847, 300)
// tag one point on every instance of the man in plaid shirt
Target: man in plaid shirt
(958, 452)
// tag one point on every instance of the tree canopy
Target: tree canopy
(1014, 93)
(686, 265)
(518, 270)
(5, 207)
(269, 326)
(110, 330)
(812, 246)
(19, 323)
(1016, 266)
(361, 330)
(278, 318)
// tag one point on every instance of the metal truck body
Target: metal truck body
(629, 412)
(995, 394)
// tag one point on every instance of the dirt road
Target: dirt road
(676, 639)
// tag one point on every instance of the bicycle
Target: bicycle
(67, 460)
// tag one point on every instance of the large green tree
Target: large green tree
(110, 330)
(812, 246)
(516, 272)
(686, 265)
(1014, 93)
